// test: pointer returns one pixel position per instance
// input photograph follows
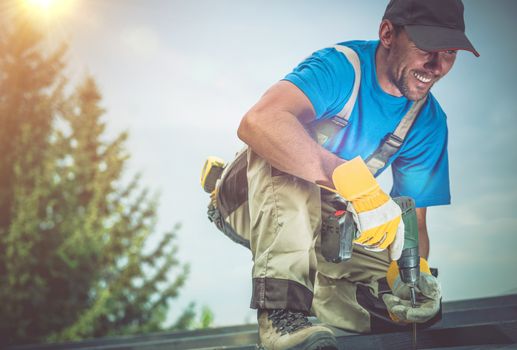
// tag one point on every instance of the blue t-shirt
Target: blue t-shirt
(420, 168)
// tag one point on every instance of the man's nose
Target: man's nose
(435, 63)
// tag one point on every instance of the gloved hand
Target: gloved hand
(399, 303)
(377, 217)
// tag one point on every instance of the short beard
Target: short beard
(402, 85)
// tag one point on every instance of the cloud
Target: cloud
(141, 41)
(486, 208)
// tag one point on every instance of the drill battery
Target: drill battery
(335, 247)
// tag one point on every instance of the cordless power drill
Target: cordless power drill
(339, 231)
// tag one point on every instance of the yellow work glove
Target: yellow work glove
(377, 216)
(428, 294)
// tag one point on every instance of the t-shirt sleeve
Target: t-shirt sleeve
(421, 171)
(326, 78)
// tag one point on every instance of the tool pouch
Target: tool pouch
(228, 207)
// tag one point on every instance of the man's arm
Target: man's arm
(423, 236)
(274, 129)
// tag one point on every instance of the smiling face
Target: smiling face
(406, 70)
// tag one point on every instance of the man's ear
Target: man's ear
(386, 33)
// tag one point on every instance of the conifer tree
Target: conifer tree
(75, 258)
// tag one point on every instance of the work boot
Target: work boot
(289, 330)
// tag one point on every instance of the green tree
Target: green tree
(75, 257)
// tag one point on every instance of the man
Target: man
(292, 180)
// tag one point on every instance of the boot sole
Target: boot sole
(318, 341)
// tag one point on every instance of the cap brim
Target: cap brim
(429, 38)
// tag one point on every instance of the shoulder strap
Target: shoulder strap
(326, 129)
(353, 58)
(394, 140)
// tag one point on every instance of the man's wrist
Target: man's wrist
(329, 163)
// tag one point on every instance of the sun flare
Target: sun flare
(41, 4)
(48, 7)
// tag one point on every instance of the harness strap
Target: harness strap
(326, 129)
(353, 58)
(394, 140)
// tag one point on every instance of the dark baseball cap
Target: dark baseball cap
(433, 25)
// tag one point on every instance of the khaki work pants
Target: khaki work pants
(289, 270)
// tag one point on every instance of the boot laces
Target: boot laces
(286, 321)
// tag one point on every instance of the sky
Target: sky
(179, 76)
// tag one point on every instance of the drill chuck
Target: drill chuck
(409, 266)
